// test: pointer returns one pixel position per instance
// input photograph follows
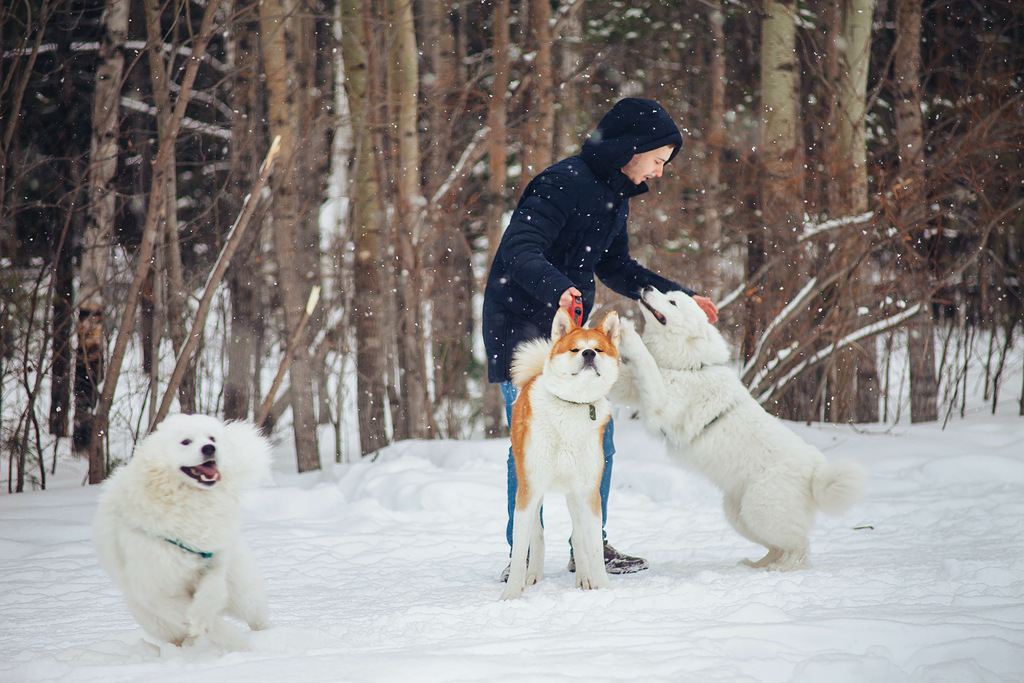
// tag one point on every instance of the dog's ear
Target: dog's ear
(562, 325)
(610, 327)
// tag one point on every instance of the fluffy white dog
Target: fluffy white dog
(773, 481)
(167, 530)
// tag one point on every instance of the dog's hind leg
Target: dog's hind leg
(523, 520)
(771, 515)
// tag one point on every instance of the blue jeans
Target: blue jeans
(509, 391)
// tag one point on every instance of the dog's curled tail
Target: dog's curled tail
(837, 485)
(528, 360)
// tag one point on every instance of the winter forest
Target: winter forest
(284, 210)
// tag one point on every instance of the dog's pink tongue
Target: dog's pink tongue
(208, 471)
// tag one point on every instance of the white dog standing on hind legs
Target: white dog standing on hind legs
(558, 427)
(168, 531)
(773, 481)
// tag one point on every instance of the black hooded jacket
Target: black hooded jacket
(569, 225)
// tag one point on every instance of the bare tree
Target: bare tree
(497, 122)
(780, 158)
(160, 69)
(289, 64)
(912, 212)
(94, 270)
(414, 415)
(245, 275)
(854, 382)
(150, 234)
(369, 324)
(540, 128)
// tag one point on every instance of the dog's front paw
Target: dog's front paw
(629, 338)
(512, 592)
(587, 582)
(227, 637)
(198, 626)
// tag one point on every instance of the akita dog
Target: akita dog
(558, 423)
(773, 480)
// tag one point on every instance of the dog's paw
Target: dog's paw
(197, 627)
(227, 637)
(629, 338)
(586, 582)
(512, 592)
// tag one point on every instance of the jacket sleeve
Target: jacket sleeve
(623, 275)
(537, 221)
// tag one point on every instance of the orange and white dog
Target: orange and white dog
(558, 423)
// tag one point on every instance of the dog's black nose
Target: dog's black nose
(208, 450)
(589, 354)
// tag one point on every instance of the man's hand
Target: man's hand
(566, 300)
(708, 306)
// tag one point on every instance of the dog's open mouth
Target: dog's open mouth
(206, 474)
(657, 315)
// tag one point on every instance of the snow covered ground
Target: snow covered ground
(388, 571)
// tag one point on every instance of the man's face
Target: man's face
(647, 165)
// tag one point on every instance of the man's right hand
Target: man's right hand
(566, 300)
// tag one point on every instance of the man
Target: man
(569, 225)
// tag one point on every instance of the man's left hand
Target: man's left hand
(709, 308)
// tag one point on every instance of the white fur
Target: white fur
(151, 504)
(561, 447)
(773, 481)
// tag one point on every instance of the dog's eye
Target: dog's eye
(672, 302)
(575, 350)
(186, 442)
(211, 439)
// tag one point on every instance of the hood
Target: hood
(632, 126)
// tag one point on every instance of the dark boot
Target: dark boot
(615, 562)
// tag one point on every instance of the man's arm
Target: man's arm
(535, 225)
(624, 275)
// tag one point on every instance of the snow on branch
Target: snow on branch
(187, 123)
(811, 229)
(775, 323)
(870, 330)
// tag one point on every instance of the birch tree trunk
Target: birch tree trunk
(366, 227)
(854, 390)
(781, 206)
(403, 63)
(94, 272)
(911, 190)
(285, 42)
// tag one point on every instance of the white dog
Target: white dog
(558, 423)
(773, 481)
(167, 530)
